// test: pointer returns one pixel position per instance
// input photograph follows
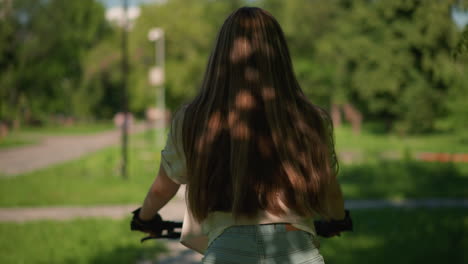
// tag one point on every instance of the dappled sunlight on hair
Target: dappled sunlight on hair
(251, 134)
(244, 100)
(252, 75)
(214, 127)
(238, 128)
(297, 182)
(268, 93)
(241, 50)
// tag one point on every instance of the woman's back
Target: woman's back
(257, 157)
(251, 134)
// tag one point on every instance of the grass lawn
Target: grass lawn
(17, 140)
(78, 128)
(380, 236)
(404, 179)
(94, 179)
(78, 241)
(32, 135)
(374, 142)
(402, 236)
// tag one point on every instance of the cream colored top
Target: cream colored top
(174, 163)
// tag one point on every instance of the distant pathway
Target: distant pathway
(175, 209)
(54, 150)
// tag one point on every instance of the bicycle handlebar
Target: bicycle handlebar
(158, 228)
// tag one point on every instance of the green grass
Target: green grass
(368, 142)
(32, 135)
(404, 179)
(78, 241)
(78, 128)
(380, 236)
(390, 236)
(373, 142)
(94, 179)
(16, 141)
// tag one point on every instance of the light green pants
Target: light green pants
(262, 244)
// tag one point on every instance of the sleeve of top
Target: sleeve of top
(172, 156)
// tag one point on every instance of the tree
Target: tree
(41, 63)
(392, 59)
(304, 23)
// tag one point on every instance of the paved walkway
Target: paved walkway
(175, 209)
(54, 150)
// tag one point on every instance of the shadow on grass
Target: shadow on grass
(184, 257)
(127, 254)
(142, 255)
(403, 179)
(402, 236)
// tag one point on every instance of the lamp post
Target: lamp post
(124, 66)
(156, 76)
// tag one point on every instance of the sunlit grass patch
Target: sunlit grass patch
(33, 135)
(96, 179)
(16, 141)
(76, 128)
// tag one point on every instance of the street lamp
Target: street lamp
(125, 90)
(156, 77)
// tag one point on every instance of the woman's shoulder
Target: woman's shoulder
(179, 113)
(178, 118)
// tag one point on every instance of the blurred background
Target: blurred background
(392, 73)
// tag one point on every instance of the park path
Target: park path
(175, 209)
(56, 149)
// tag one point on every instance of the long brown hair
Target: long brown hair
(251, 138)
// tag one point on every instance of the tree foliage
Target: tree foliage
(41, 59)
(391, 59)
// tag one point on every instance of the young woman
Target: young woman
(256, 155)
